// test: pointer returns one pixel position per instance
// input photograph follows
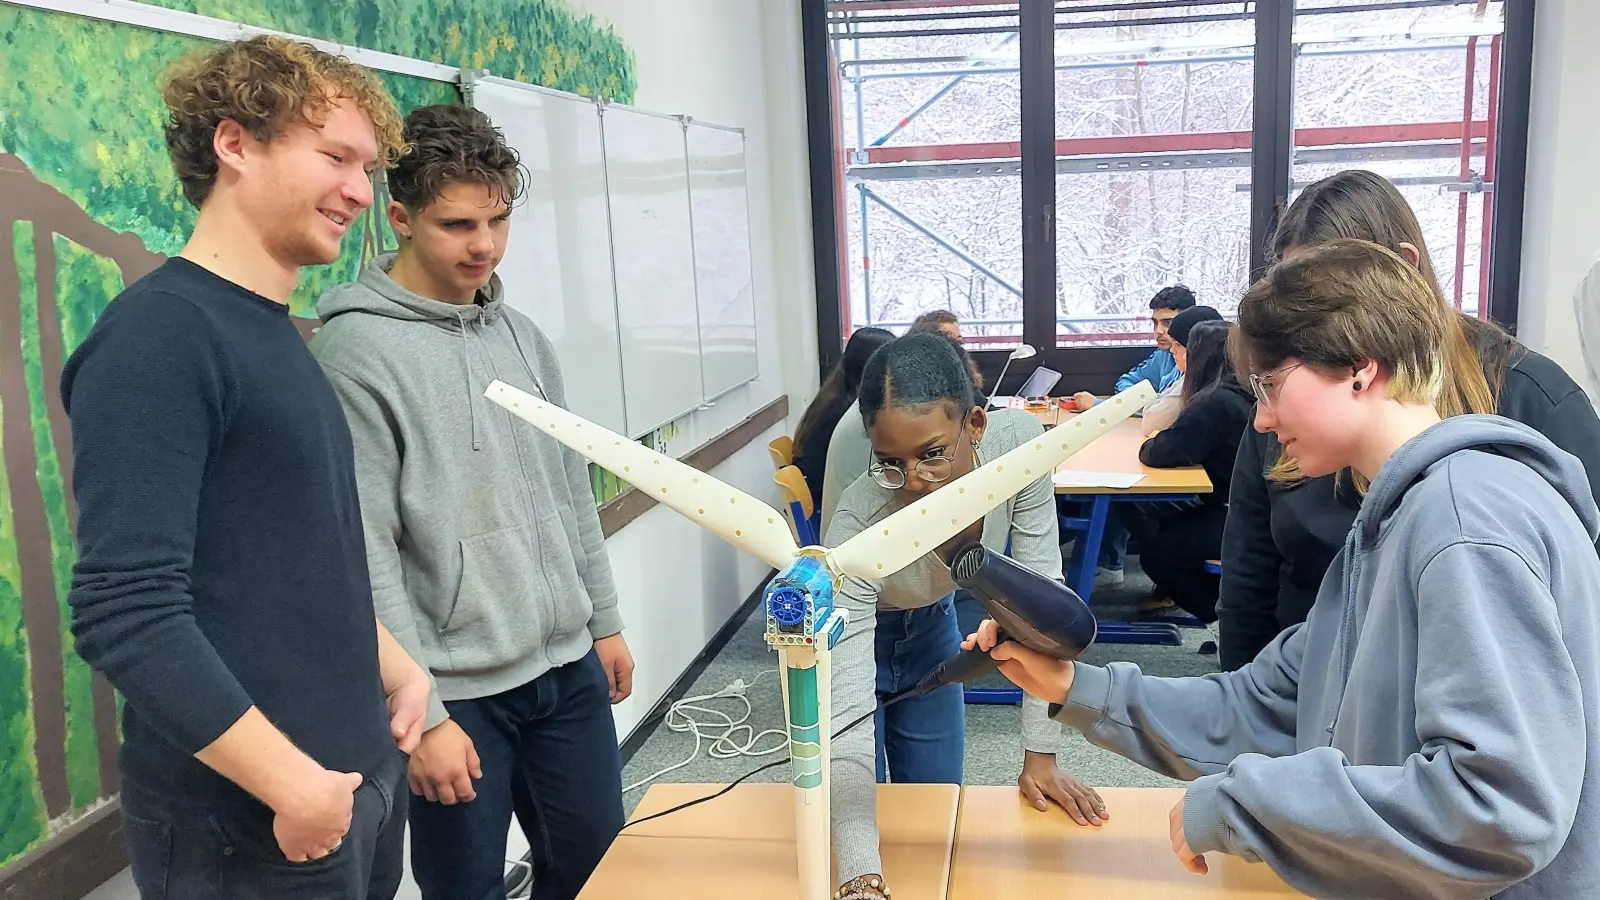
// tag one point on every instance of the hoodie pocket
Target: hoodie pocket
(496, 618)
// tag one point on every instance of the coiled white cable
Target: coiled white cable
(722, 731)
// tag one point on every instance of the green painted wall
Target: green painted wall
(80, 109)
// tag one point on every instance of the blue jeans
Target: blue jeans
(184, 849)
(921, 741)
(549, 755)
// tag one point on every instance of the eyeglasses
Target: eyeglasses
(933, 469)
(1264, 385)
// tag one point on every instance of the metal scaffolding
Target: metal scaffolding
(872, 160)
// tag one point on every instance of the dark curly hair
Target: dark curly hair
(449, 144)
(265, 83)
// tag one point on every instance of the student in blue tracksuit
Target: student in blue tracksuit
(1161, 371)
(1432, 730)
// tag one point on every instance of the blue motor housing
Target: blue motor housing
(798, 601)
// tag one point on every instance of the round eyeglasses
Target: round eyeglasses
(932, 469)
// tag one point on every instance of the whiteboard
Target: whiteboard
(719, 203)
(652, 252)
(557, 266)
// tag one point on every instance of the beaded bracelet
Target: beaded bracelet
(863, 887)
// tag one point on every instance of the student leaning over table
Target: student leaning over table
(927, 429)
(1433, 729)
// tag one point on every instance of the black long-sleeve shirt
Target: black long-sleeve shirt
(1205, 434)
(221, 562)
(1280, 539)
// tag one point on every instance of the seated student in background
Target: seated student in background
(836, 397)
(942, 321)
(1161, 371)
(1284, 528)
(1176, 539)
(849, 451)
(485, 547)
(1433, 728)
(927, 431)
(1158, 368)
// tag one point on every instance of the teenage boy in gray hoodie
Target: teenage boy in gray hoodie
(1433, 729)
(487, 558)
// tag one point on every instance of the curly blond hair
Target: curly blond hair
(265, 83)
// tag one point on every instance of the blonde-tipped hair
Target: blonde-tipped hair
(1363, 205)
(1340, 304)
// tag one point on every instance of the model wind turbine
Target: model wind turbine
(802, 623)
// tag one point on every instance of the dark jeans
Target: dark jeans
(921, 741)
(549, 755)
(1175, 540)
(184, 850)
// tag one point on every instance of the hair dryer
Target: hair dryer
(1037, 612)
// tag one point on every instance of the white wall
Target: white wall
(1561, 217)
(733, 63)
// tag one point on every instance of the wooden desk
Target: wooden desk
(1006, 848)
(746, 840)
(1118, 451)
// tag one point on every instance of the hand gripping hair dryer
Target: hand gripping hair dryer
(1037, 612)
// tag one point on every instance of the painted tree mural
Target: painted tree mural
(88, 203)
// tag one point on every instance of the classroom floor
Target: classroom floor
(993, 753)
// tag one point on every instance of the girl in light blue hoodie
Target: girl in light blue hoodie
(1433, 729)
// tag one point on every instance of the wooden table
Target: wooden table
(1117, 451)
(1006, 848)
(743, 844)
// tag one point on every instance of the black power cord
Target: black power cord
(888, 701)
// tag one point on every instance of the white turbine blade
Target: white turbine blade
(726, 511)
(899, 540)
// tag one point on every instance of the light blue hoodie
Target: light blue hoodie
(1433, 729)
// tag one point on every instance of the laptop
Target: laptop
(1039, 383)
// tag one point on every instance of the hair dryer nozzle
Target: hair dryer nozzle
(1038, 612)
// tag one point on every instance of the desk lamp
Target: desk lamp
(802, 623)
(1023, 351)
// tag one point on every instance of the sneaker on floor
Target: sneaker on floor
(1108, 578)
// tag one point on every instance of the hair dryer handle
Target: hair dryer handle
(963, 667)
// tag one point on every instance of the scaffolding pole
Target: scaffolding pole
(934, 236)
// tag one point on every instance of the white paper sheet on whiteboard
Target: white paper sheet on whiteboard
(1078, 479)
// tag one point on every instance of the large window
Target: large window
(1174, 132)
(930, 130)
(1411, 94)
(1152, 123)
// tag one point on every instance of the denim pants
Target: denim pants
(549, 755)
(182, 849)
(921, 741)
(1113, 543)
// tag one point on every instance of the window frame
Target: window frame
(1272, 155)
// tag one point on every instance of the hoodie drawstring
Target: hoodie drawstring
(526, 363)
(472, 392)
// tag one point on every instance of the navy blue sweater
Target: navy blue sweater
(221, 561)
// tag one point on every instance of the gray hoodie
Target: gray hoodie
(488, 563)
(1433, 729)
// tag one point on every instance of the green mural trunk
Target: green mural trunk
(41, 615)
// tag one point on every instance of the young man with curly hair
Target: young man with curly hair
(487, 558)
(221, 583)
